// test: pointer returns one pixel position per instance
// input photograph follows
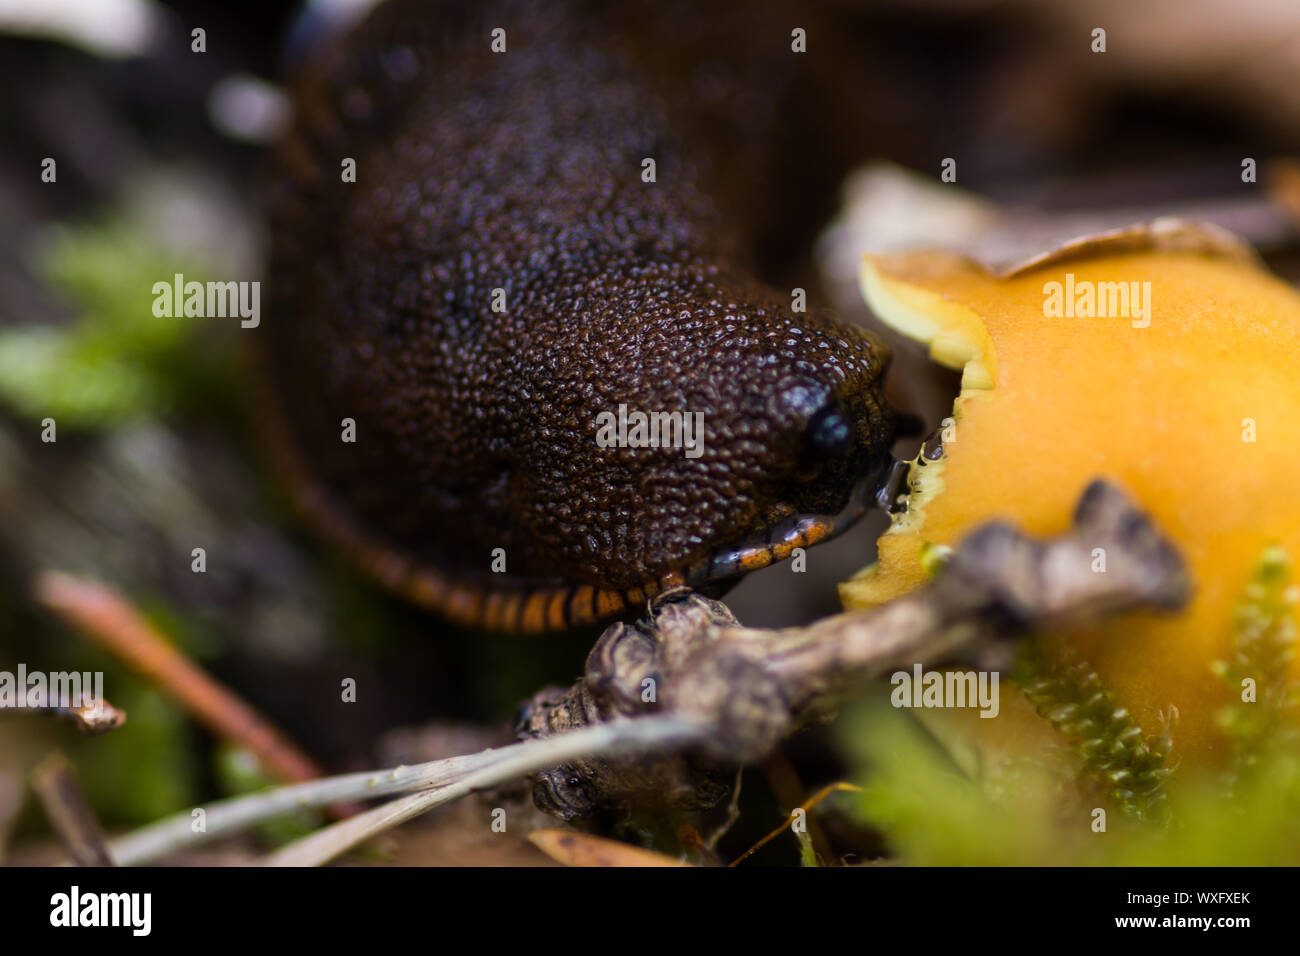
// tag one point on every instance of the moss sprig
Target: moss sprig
(1117, 756)
(1264, 710)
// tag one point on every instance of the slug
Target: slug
(504, 270)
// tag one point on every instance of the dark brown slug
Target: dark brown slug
(504, 270)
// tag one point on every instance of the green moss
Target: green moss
(1116, 757)
(930, 812)
(934, 557)
(116, 361)
(1263, 714)
(1037, 809)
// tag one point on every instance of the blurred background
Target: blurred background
(159, 157)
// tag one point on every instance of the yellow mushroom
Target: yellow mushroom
(1165, 357)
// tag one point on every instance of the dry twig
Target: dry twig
(668, 707)
(90, 719)
(753, 686)
(439, 782)
(69, 812)
(111, 622)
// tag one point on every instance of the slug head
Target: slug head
(784, 410)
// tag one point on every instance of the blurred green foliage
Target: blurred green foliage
(239, 772)
(116, 361)
(1033, 811)
(145, 770)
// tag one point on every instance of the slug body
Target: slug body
(503, 271)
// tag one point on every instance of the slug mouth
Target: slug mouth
(778, 542)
